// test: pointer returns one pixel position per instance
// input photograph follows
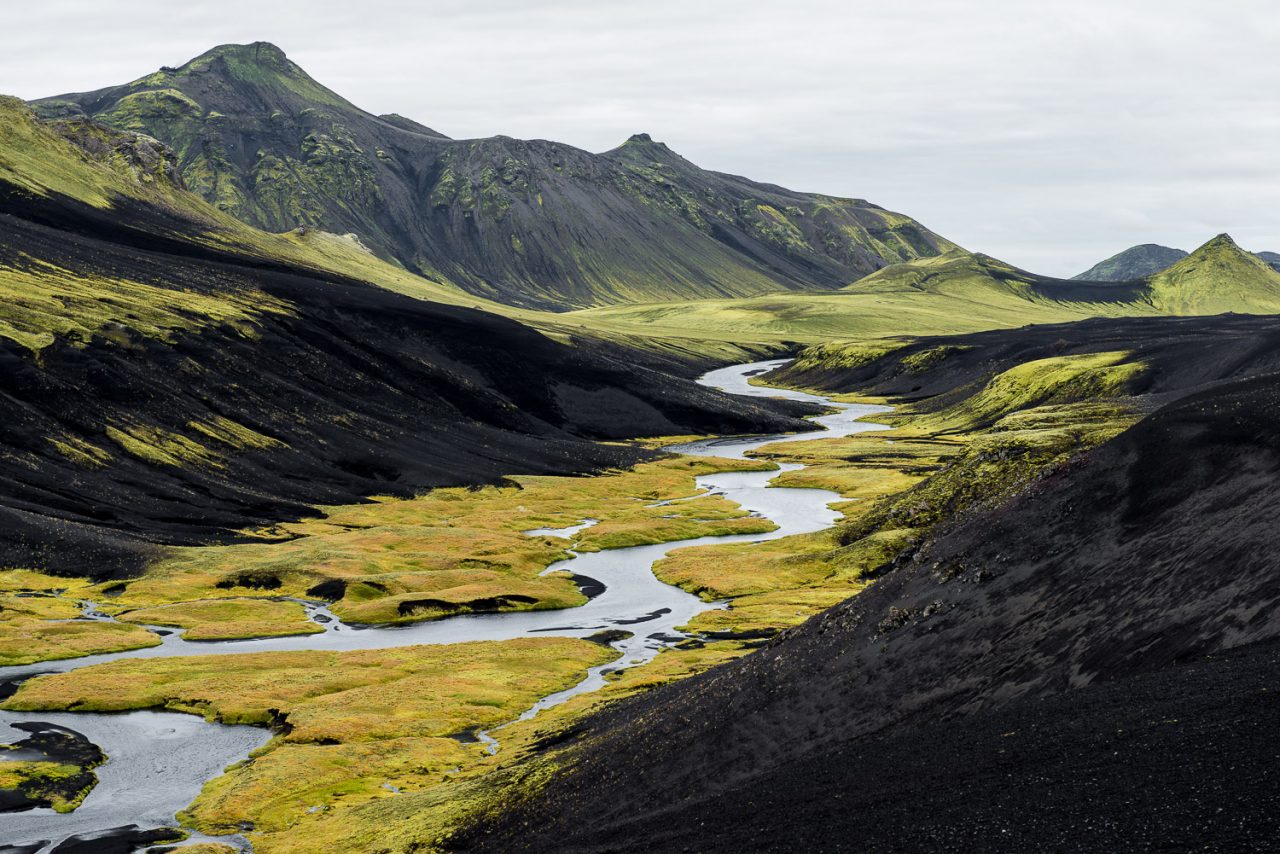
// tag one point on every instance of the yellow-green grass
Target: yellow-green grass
(36, 158)
(423, 820)
(448, 551)
(358, 725)
(221, 619)
(45, 780)
(38, 621)
(1217, 277)
(26, 640)
(780, 583)
(319, 798)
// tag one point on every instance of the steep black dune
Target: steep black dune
(528, 222)
(1048, 674)
(351, 390)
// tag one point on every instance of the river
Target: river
(158, 761)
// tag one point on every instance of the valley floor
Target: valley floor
(352, 740)
(378, 750)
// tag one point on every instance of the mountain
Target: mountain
(1136, 262)
(1272, 258)
(172, 376)
(526, 222)
(1217, 277)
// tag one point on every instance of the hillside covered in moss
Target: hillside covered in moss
(525, 222)
(960, 291)
(171, 375)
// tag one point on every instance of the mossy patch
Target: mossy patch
(40, 621)
(54, 783)
(224, 619)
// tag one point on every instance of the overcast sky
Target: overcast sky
(1049, 134)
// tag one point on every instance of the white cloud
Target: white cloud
(1050, 134)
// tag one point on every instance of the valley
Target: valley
(365, 489)
(343, 721)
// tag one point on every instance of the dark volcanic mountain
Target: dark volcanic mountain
(527, 222)
(1136, 262)
(1089, 666)
(166, 378)
(1272, 258)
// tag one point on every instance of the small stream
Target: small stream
(158, 761)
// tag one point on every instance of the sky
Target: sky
(1049, 134)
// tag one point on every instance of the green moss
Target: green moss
(994, 465)
(40, 302)
(63, 786)
(162, 447)
(79, 451)
(1058, 379)
(927, 360)
(233, 434)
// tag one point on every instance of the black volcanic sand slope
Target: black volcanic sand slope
(118, 439)
(1182, 354)
(1047, 674)
(527, 222)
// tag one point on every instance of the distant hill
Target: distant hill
(1218, 277)
(1272, 258)
(961, 291)
(526, 222)
(1135, 262)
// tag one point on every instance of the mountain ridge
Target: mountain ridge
(530, 223)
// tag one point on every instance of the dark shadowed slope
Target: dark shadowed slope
(527, 222)
(910, 717)
(1182, 354)
(163, 382)
(1136, 262)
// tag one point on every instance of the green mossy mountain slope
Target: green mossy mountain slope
(1218, 277)
(960, 291)
(525, 222)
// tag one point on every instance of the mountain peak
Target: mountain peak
(642, 145)
(1222, 247)
(1217, 277)
(260, 52)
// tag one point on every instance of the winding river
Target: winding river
(158, 761)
